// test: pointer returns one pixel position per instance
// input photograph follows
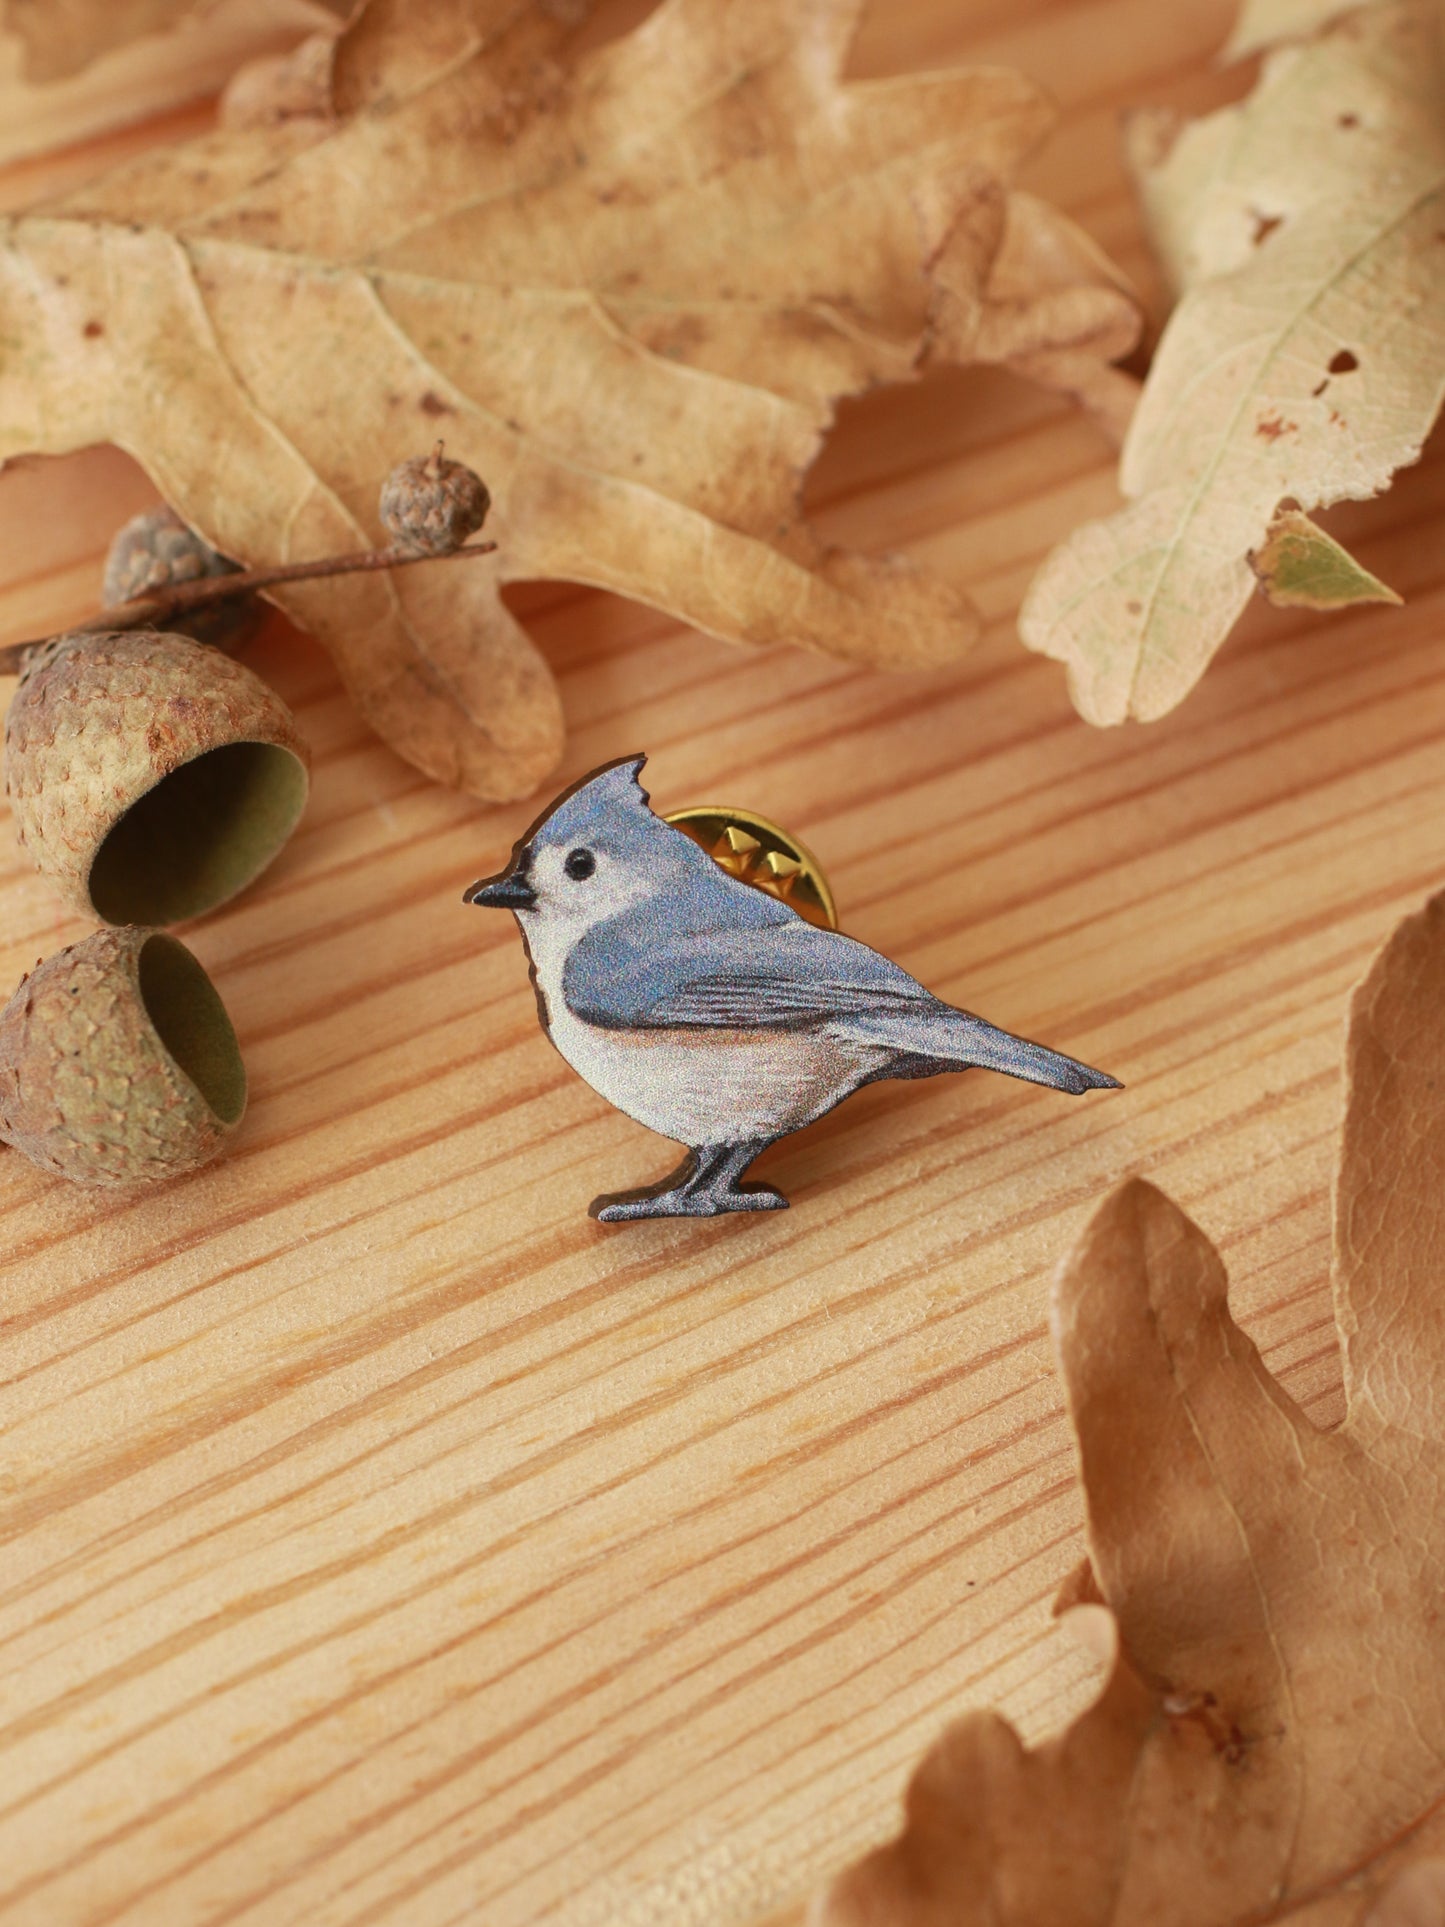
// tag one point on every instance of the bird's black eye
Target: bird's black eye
(579, 865)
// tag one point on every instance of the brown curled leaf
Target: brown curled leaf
(627, 287)
(71, 70)
(1269, 1744)
(1019, 284)
(59, 40)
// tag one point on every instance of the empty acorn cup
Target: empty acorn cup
(150, 778)
(118, 1063)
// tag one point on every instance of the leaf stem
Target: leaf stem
(164, 605)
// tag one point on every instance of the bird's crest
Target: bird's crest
(612, 796)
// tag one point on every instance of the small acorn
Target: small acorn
(118, 1063)
(150, 778)
(157, 550)
(433, 505)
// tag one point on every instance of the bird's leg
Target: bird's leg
(706, 1184)
(719, 1178)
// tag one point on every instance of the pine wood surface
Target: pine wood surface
(385, 1542)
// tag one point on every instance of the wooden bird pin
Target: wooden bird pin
(709, 1011)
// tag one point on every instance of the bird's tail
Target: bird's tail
(955, 1039)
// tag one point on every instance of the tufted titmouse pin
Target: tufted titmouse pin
(708, 1011)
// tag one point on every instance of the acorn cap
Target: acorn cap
(118, 1063)
(150, 778)
(433, 505)
(156, 550)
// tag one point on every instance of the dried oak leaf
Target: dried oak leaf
(1265, 23)
(1304, 363)
(627, 286)
(1270, 1742)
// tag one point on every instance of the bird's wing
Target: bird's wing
(627, 975)
(784, 976)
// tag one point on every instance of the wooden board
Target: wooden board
(387, 1543)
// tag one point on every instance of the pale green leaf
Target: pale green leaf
(1300, 567)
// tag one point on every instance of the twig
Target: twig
(164, 605)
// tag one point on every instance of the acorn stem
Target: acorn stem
(164, 605)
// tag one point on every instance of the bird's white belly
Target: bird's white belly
(705, 1087)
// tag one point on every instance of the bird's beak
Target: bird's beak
(509, 891)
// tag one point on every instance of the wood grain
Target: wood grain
(387, 1543)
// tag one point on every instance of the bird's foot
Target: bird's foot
(706, 1185)
(622, 1207)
